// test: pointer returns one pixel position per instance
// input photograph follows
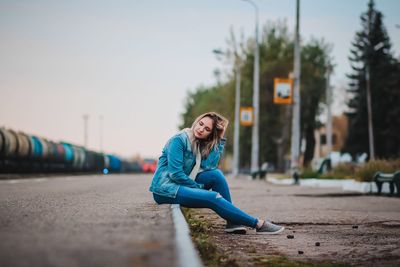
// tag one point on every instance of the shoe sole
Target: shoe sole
(271, 233)
(238, 231)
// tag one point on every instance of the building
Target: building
(339, 135)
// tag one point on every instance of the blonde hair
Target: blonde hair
(219, 123)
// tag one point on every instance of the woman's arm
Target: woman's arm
(211, 162)
(175, 164)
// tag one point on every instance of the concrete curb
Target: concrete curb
(347, 185)
(186, 253)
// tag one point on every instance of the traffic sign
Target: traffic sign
(283, 91)
(246, 116)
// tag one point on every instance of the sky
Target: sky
(134, 62)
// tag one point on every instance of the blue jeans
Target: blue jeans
(219, 199)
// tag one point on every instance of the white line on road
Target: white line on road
(12, 181)
(18, 181)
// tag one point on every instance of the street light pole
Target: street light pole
(85, 129)
(101, 132)
(255, 139)
(369, 110)
(329, 111)
(370, 50)
(369, 106)
(236, 149)
(369, 102)
(237, 66)
(295, 144)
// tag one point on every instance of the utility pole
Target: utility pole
(236, 150)
(237, 62)
(101, 132)
(329, 111)
(295, 144)
(255, 138)
(369, 109)
(370, 51)
(85, 129)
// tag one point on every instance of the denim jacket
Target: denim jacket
(177, 161)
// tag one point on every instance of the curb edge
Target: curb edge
(186, 252)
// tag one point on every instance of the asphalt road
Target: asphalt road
(84, 221)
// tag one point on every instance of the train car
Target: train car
(21, 153)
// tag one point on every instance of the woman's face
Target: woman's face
(203, 128)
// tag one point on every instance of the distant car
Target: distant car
(149, 165)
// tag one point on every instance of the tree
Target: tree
(371, 55)
(276, 60)
(315, 61)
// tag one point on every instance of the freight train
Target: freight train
(24, 153)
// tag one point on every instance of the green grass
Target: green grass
(205, 243)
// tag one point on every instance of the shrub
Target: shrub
(364, 172)
(309, 173)
(341, 171)
(367, 171)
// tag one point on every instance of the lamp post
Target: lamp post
(255, 139)
(295, 144)
(236, 160)
(237, 67)
(369, 110)
(369, 102)
(85, 129)
(329, 111)
(101, 132)
(370, 51)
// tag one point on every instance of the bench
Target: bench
(262, 172)
(392, 178)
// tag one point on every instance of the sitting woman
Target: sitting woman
(187, 170)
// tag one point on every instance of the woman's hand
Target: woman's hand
(222, 125)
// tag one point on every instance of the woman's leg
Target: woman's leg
(215, 180)
(164, 200)
(199, 198)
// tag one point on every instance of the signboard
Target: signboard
(283, 91)
(246, 116)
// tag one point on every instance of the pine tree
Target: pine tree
(371, 55)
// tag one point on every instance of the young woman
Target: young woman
(187, 171)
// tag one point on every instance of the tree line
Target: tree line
(276, 50)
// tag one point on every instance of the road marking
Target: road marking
(18, 181)
(40, 179)
(12, 181)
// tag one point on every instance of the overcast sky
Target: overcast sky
(133, 62)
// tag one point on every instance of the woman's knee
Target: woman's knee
(220, 177)
(217, 176)
(161, 199)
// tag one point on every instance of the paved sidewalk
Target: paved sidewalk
(351, 228)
